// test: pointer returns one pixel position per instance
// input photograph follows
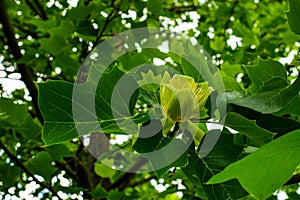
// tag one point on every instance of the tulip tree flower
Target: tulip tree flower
(182, 99)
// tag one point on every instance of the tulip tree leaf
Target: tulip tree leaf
(16, 116)
(41, 164)
(64, 29)
(293, 107)
(54, 44)
(155, 6)
(257, 135)
(269, 91)
(266, 72)
(55, 100)
(58, 151)
(272, 165)
(10, 175)
(172, 148)
(12, 114)
(104, 170)
(269, 101)
(275, 124)
(149, 81)
(229, 82)
(99, 192)
(294, 16)
(200, 170)
(217, 43)
(66, 63)
(231, 69)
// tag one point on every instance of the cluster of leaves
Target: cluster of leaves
(45, 42)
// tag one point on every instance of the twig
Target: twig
(231, 12)
(110, 17)
(40, 7)
(226, 26)
(182, 9)
(295, 179)
(140, 182)
(26, 170)
(122, 182)
(28, 32)
(31, 6)
(40, 12)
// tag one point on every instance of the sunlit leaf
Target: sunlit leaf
(257, 135)
(272, 165)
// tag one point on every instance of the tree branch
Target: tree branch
(231, 12)
(182, 9)
(27, 32)
(123, 182)
(31, 6)
(140, 182)
(27, 171)
(98, 145)
(40, 12)
(110, 17)
(40, 7)
(26, 74)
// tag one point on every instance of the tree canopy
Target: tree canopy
(149, 99)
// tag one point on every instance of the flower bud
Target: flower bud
(182, 99)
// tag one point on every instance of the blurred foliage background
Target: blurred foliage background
(48, 40)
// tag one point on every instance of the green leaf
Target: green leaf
(272, 165)
(231, 69)
(268, 101)
(217, 43)
(103, 170)
(16, 116)
(58, 151)
(105, 105)
(294, 16)
(172, 151)
(68, 65)
(43, 25)
(149, 81)
(293, 107)
(99, 192)
(114, 194)
(155, 6)
(247, 34)
(65, 28)
(266, 72)
(41, 164)
(86, 27)
(200, 170)
(55, 102)
(257, 135)
(80, 12)
(229, 82)
(12, 115)
(10, 175)
(55, 44)
(124, 5)
(30, 128)
(275, 124)
(189, 70)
